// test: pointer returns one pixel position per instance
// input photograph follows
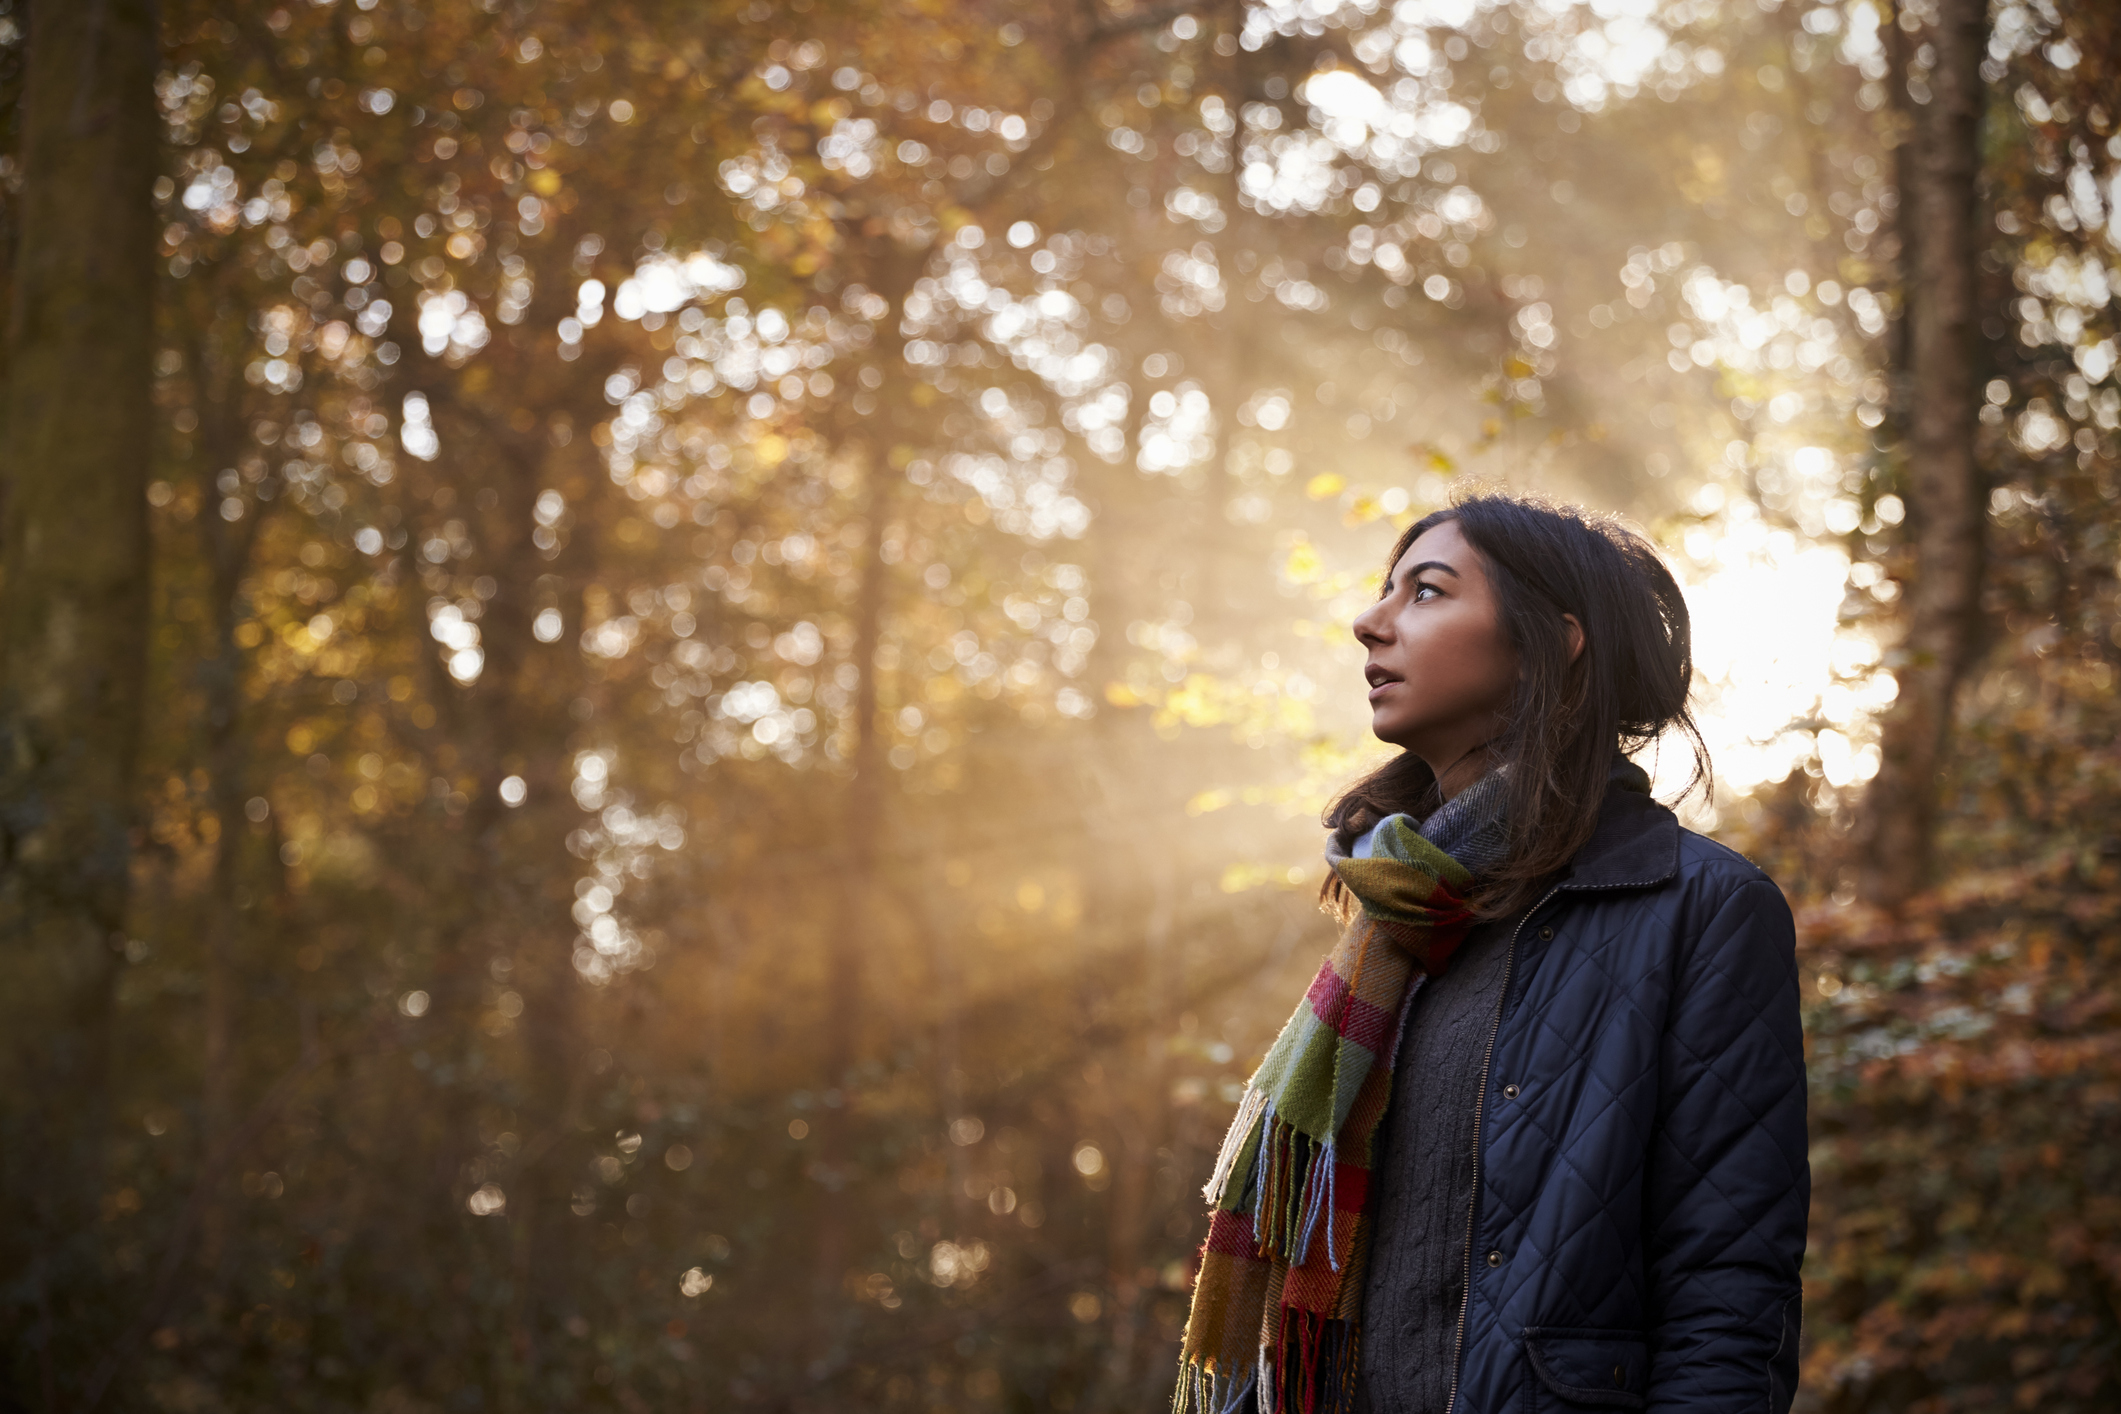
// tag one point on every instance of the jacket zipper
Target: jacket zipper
(1480, 1105)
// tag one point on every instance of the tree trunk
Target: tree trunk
(218, 381)
(1141, 1124)
(893, 275)
(523, 703)
(78, 436)
(861, 818)
(1946, 507)
(227, 756)
(515, 721)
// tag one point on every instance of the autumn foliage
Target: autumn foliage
(746, 626)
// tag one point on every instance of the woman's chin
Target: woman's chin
(1387, 728)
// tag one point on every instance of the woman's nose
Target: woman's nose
(1369, 626)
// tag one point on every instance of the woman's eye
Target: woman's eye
(1424, 592)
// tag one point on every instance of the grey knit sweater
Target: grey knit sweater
(1424, 1169)
(1424, 1182)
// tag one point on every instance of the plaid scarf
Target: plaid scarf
(1276, 1307)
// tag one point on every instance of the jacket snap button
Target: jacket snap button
(1620, 1376)
(1546, 935)
(1509, 1092)
(1495, 1259)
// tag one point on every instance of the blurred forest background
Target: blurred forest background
(666, 668)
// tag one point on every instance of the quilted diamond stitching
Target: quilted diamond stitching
(1567, 1183)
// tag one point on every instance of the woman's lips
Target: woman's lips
(1380, 680)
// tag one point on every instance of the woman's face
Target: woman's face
(1441, 671)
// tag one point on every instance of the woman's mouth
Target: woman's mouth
(1379, 679)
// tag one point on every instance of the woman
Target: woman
(1534, 1139)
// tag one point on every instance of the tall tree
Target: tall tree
(78, 436)
(1940, 403)
(652, 494)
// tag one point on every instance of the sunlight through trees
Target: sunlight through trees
(639, 644)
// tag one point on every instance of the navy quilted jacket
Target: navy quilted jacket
(1639, 1205)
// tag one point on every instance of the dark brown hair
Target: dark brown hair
(1626, 689)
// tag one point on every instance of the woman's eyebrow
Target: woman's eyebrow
(1434, 565)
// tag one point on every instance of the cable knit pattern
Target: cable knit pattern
(1424, 1178)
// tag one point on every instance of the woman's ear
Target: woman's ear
(1575, 632)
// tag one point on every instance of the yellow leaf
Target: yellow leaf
(545, 181)
(1326, 483)
(1208, 800)
(1121, 695)
(1304, 564)
(1238, 878)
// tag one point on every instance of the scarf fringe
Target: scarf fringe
(1288, 1176)
(1203, 1391)
(1316, 1371)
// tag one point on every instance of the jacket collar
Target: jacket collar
(1635, 845)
